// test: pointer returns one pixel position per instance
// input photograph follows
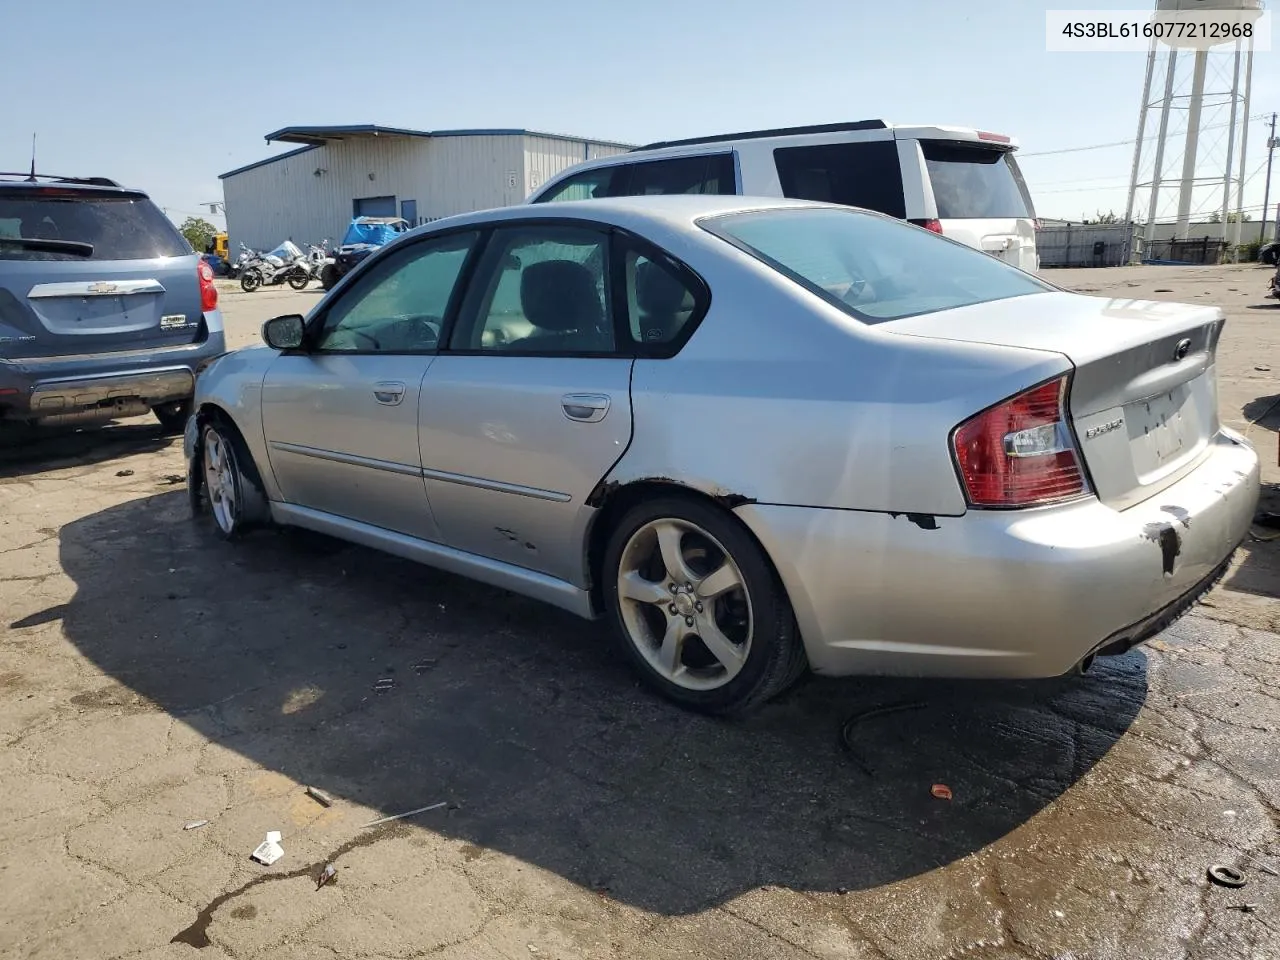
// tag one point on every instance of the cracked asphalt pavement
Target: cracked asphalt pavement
(152, 676)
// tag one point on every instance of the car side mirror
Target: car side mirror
(284, 333)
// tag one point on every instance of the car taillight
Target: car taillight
(1020, 452)
(933, 226)
(208, 290)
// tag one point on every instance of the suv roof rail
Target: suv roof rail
(775, 132)
(49, 178)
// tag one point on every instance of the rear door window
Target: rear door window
(708, 174)
(116, 226)
(975, 182)
(854, 174)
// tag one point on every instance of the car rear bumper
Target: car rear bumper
(102, 384)
(1006, 593)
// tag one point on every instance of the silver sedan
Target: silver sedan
(758, 436)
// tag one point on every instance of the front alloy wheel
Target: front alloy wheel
(699, 608)
(222, 482)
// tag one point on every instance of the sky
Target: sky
(165, 96)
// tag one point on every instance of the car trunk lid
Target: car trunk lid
(1143, 397)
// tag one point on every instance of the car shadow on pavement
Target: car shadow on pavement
(524, 716)
(33, 451)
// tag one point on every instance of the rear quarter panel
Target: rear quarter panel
(781, 398)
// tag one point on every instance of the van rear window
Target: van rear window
(975, 182)
(118, 227)
(854, 174)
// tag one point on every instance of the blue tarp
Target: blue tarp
(374, 234)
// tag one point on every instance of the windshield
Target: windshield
(975, 182)
(116, 227)
(872, 267)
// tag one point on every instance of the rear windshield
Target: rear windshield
(975, 182)
(872, 267)
(117, 227)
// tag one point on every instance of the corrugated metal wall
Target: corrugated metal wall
(461, 174)
(544, 157)
(445, 175)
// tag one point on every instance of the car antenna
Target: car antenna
(32, 177)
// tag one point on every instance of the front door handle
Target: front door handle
(388, 392)
(585, 407)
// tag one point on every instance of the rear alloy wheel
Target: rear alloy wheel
(173, 416)
(223, 481)
(699, 608)
(299, 279)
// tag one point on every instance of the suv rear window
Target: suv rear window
(118, 226)
(975, 182)
(853, 174)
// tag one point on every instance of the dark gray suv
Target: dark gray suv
(105, 311)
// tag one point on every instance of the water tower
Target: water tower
(1193, 126)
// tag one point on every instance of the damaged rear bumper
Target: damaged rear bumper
(1026, 593)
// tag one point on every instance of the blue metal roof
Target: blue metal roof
(317, 136)
(263, 163)
(322, 134)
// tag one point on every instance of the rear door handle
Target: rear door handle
(388, 392)
(585, 407)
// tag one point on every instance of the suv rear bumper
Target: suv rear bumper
(102, 386)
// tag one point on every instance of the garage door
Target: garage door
(374, 207)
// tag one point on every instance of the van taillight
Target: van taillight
(1020, 452)
(208, 290)
(933, 226)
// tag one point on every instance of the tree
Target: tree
(199, 232)
(1109, 217)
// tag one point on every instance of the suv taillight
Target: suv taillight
(208, 290)
(1020, 452)
(933, 226)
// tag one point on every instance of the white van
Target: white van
(958, 182)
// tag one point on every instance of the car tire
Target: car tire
(173, 416)
(716, 633)
(224, 470)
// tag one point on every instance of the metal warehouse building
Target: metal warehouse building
(338, 173)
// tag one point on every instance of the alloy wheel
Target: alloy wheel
(684, 603)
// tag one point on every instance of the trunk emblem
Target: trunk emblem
(102, 286)
(1181, 350)
(1102, 428)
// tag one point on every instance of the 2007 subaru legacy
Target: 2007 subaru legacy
(757, 435)
(105, 311)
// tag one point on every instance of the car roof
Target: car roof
(681, 210)
(28, 182)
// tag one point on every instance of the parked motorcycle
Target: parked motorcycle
(236, 268)
(284, 264)
(318, 257)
